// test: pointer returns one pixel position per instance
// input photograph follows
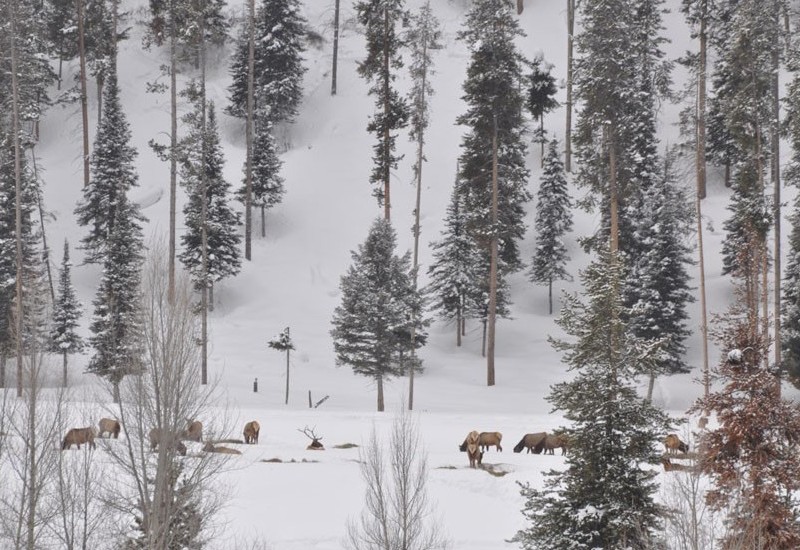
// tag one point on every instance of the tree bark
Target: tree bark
(18, 195)
(380, 393)
(701, 104)
(703, 308)
(64, 380)
(248, 185)
(570, 46)
(204, 216)
(173, 148)
(287, 378)
(335, 46)
(776, 185)
(613, 189)
(493, 259)
(84, 102)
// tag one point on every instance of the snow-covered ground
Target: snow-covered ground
(293, 281)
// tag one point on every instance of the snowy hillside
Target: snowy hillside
(293, 281)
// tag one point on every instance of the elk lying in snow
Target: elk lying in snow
(670, 467)
(472, 446)
(78, 436)
(315, 444)
(486, 440)
(211, 448)
(109, 426)
(529, 441)
(251, 430)
(674, 444)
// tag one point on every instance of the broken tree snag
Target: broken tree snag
(315, 444)
(519, 6)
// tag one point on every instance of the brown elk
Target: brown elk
(157, 437)
(109, 426)
(473, 449)
(487, 439)
(674, 444)
(211, 448)
(554, 441)
(251, 430)
(194, 430)
(315, 444)
(78, 436)
(670, 467)
(529, 441)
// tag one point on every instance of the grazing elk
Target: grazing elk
(109, 426)
(157, 437)
(473, 449)
(486, 440)
(554, 441)
(194, 430)
(674, 444)
(530, 441)
(78, 436)
(251, 430)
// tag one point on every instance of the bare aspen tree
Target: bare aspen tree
(172, 498)
(689, 523)
(397, 512)
(84, 101)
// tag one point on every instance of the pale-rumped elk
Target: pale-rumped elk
(211, 448)
(473, 449)
(78, 436)
(554, 441)
(194, 430)
(251, 430)
(157, 437)
(486, 439)
(674, 444)
(108, 426)
(529, 441)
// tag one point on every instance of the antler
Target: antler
(309, 433)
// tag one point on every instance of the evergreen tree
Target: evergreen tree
(371, 325)
(116, 325)
(494, 100)
(201, 174)
(659, 297)
(113, 174)
(453, 271)
(66, 312)
(279, 70)
(541, 96)
(605, 498)
(553, 221)
(380, 67)
(752, 457)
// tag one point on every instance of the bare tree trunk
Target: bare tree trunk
(173, 146)
(204, 215)
(263, 221)
(287, 373)
(381, 406)
(493, 259)
(550, 294)
(520, 7)
(570, 41)
(703, 307)
(45, 249)
(485, 324)
(335, 45)
(458, 327)
(84, 101)
(248, 185)
(776, 186)
(19, 315)
(613, 189)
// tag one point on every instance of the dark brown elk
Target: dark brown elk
(316, 440)
(251, 430)
(108, 426)
(194, 430)
(674, 444)
(529, 441)
(158, 437)
(554, 441)
(78, 436)
(473, 449)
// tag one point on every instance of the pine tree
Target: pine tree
(613, 431)
(66, 312)
(116, 326)
(541, 96)
(377, 302)
(279, 70)
(201, 173)
(380, 19)
(753, 457)
(493, 97)
(113, 174)
(553, 221)
(659, 297)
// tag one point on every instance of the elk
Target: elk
(674, 444)
(529, 441)
(315, 444)
(109, 426)
(251, 430)
(473, 449)
(78, 436)
(194, 430)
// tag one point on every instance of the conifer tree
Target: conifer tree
(553, 221)
(372, 324)
(113, 174)
(612, 433)
(66, 312)
(752, 458)
(380, 19)
(279, 70)
(116, 325)
(208, 206)
(541, 98)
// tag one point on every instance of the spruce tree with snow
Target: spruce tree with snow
(752, 457)
(267, 184)
(380, 19)
(660, 295)
(613, 432)
(553, 221)
(541, 96)
(66, 312)
(113, 175)
(370, 324)
(278, 72)
(116, 324)
(493, 94)
(208, 206)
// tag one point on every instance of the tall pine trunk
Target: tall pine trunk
(493, 259)
(570, 46)
(381, 406)
(335, 46)
(18, 195)
(204, 212)
(84, 93)
(776, 184)
(248, 185)
(387, 202)
(700, 170)
(173, 148)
